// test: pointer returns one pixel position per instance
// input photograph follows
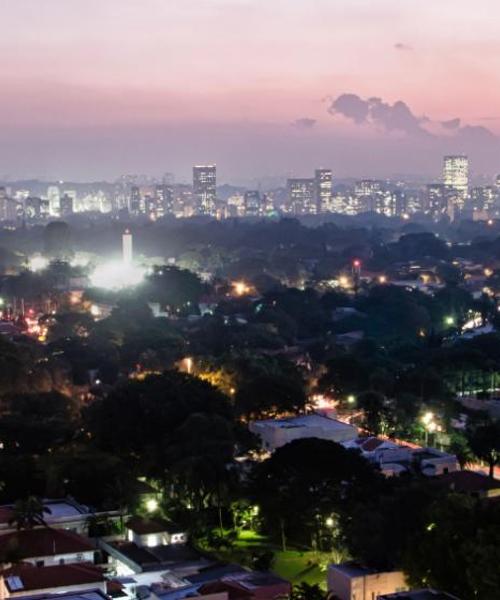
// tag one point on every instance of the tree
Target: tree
(307, 591)
(306, 481)
(484, 441)
(29, 513)
(375, 412)
(456, 548)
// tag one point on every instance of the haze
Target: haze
(94, 88)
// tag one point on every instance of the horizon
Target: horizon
(93, 90)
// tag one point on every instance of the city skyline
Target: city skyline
(96, 89)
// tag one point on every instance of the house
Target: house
(45, 546)
(471, 483)
(351, 581)
(89, 594)
(426, 594)
(154, 532)
(62, 513)
(432, 461)
(25, 577)
(275, 433)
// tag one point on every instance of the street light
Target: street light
(430, 425)
(351, 399)
(449, 320)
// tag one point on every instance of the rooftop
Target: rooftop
(311, 420)
(90, 594)
(427, 594)
(26, 577)
(143, 526)
(44, 541)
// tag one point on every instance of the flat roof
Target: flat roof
(312, 420)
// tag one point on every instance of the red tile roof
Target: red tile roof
(40, 578)
(45, 541)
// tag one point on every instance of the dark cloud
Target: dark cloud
(451, 124)
(391, 117)
(399, 117)
(304, 123)
(403, 47)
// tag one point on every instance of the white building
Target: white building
(275, 433)
(350, 581)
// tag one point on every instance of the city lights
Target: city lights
(240, 288)
(37, 263)
(117, 275)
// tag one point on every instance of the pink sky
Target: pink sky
(73, 66)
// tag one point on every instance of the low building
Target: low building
(275, 433)
(26, 578)
(62, 513)
(89, 594)
(154, 532)
(351, 581)
(432, 461)
(45, 546)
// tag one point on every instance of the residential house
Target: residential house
(351, 581)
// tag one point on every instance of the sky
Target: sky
(98, 88)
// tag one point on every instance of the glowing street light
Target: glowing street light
(449, 320)
(351, 399)
(240, 288)
(151, 505)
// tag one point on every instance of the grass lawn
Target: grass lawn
(296, 566)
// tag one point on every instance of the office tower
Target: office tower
(164, 204)
(323, 190)
(252, 203)
(483, 197)
(135, 200)
(54, 198)
(456, 176)
(33, 207)
(437, 195)
(205, 189)
(302, 196)
(66, 206)
(368, 194)
(127, 248)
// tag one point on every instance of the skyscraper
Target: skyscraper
(252, 203)
(456, 176)
(205, 188)
(302, 196)
(323, 190)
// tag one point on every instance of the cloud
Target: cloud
(398, 117)
(451, 124)
(304, 123)
(403, 47)
(390, 117)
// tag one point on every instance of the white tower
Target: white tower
(127, 247)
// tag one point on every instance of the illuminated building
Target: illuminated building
(456, 176)
(33, 207)
(127, 247)
(368, 194)
(483, 198)
(302, 196)
(164, 197)
(205, 188)
(323, 190)
(135, 200)
(437, 195)
(54, 197)
(66, 206)
(253, 203)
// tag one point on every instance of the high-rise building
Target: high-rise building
(437, 196)
(135, 200)
(66, 206)
(205, 188)
(54, 198)
(323, 190)
(368, 195)
(164, 197)
(302, 196)
(127, 247)
(252, 203)
(456, 176)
